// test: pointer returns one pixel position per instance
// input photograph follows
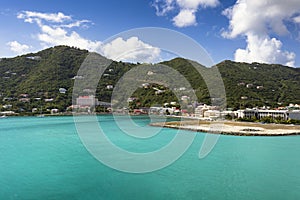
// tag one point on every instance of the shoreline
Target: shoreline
(232, 128)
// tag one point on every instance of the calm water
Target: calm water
(43, 158)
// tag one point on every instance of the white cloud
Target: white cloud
(185, 18)
(264, 50)
(163, 6)
(30, 16)
(297, 19)
(194, 4)
(132, 49)
(256, 19)
(187, 10)
(51, 36)
(18, 48)
(80, 23)
(57, 29)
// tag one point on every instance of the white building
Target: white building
(259, 114)
(199, 111)
(7, 106)
(146, 85)
(212, 114)
(185, 98)
(109, 87)
(62, 90)
(54, 111)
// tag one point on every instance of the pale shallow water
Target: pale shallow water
(43, 158)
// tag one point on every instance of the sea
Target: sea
(45, 158)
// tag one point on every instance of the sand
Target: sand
(233, 128)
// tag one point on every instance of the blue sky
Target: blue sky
(244, 30)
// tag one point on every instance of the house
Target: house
(78, 77)
(7, 106)
(49, 100)
(24, 100)
(62, 90)
(54, 111)
(185, 98)
(34, 57)
(24, 95)
(146, 85)
(131, 99)
(109, 87)
(250, 85)
(149, 73)
(159, 92)
(7, 99)
(87, 90)
(260, 87)
(173, 103)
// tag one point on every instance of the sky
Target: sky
(243, 30)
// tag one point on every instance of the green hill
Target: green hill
(28, 80)
(271, 84)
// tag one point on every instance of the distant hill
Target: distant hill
(267, 84)
(27, 80)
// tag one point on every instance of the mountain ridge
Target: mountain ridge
(41, 74)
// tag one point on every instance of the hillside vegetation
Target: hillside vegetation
(28, 80)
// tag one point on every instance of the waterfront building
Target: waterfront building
(259, 114)
(86, 100)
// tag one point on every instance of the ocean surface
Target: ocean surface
(44, 158)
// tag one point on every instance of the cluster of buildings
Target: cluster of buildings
(213, 112)
(199, 111)
(85, 103)
(273, 114)
(202, 111)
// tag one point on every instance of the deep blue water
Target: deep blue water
(43, 158)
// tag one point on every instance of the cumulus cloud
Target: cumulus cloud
(297, 19)
(18, 48)
(51, 36)
(58, 29)
(187, 10)
(54, 30)
(185, 18)
(30, 16)
(256, 20)
(131, 49)
(264, 50)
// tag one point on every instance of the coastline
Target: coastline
(232, 128)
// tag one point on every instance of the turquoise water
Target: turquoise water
(43, 158)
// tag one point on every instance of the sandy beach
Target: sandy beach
(233, 128)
